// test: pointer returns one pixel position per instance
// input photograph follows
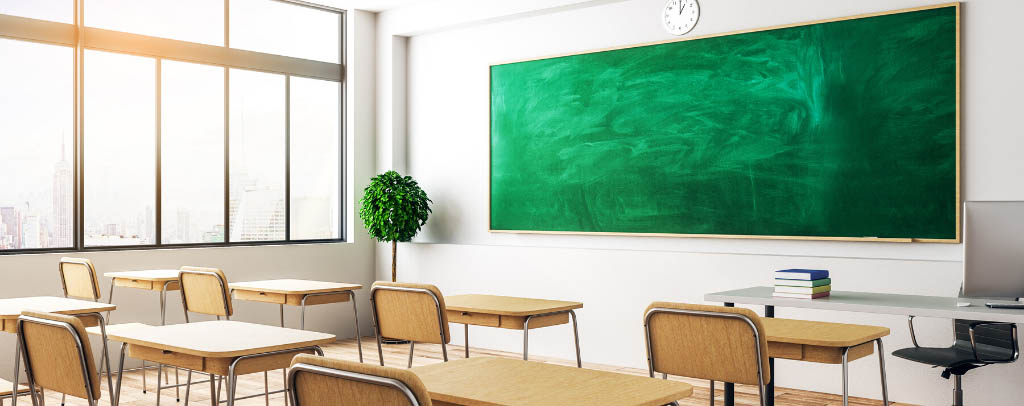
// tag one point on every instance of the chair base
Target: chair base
(958, 391)
(394, 341)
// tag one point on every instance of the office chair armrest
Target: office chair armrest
(913, 337)
(1013, 335)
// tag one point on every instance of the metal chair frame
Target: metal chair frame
(92, 281)
(184, 305)
(349, 375)
(958, 392)
(412, 344)
(753, 329)
(83, 360)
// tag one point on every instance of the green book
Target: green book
(803, 290)
(803, 283)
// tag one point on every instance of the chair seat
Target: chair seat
(955, 356)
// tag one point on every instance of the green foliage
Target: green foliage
(394, 208)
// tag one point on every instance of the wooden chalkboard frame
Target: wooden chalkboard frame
(958, 193)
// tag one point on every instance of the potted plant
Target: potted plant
(394, 209)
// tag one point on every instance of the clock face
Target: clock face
(680, 16)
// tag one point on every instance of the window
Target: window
(120, 149)
(276, 27)
(199, 21)
(257, 198)
(115, 140)
(36, 125)
(192, 153)
(315, 159)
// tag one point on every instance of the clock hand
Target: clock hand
(681, 9)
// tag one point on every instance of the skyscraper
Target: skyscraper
(62, 196)
(12, 224)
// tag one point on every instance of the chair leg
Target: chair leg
(881, 371)
(466, 329)
(711, 394)
(958, 392)
(412, 347)
(846, 377)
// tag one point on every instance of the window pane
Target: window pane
(120, 145)
(315, 164)
(285, 29)
(62, 11)
(192, 153)
(36, 128)
(257, 156)
(199, 21)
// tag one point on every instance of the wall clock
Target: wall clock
(680, 16)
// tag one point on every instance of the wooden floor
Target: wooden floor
(397, 356)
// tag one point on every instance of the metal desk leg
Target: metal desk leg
(115, 398)
(576, 335)
(881, 371)
(466, 329)
(730, 388)
(526, 338)
(214, 392)
(769, 388)
(846, 377)
(355, 318)
(17, 373)
(284, 371)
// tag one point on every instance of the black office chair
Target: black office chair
(975, 344)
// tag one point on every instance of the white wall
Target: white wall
(353, 261)
(446, 149)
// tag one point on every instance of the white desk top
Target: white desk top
(881, 303)
(217, 339)
(294, 286)
(12, 308)
(155, 275)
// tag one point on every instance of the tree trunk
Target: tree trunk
(394, 261)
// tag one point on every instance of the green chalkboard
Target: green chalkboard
(844, 129)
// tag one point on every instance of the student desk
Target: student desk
(296, 292)
(220, 347)
(865, 302)
(157, 280)
(503, 381)
(513, 313)
(89, 312)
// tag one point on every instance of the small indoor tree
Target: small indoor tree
(394, 209)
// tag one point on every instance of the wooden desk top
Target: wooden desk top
(504, 381)
(154, 275)
(12, 308)
(507, 305)
(820, 334)
(294, 286)
(216, 339)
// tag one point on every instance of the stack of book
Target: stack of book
(802, 283)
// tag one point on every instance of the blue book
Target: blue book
(801, 274)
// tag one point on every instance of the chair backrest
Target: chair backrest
(78, 277)
(205, 291)
(706, 342)
(320, 381)
(410, 311)
(994, 341)
(57, 354)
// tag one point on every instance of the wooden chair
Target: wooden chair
(409, 311)
(58, 356)
(319, 381)
(707, 342)
(204, 291)
(79, 280)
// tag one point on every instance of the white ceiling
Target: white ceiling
(368, 5)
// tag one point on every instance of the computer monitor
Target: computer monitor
(994, 249)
